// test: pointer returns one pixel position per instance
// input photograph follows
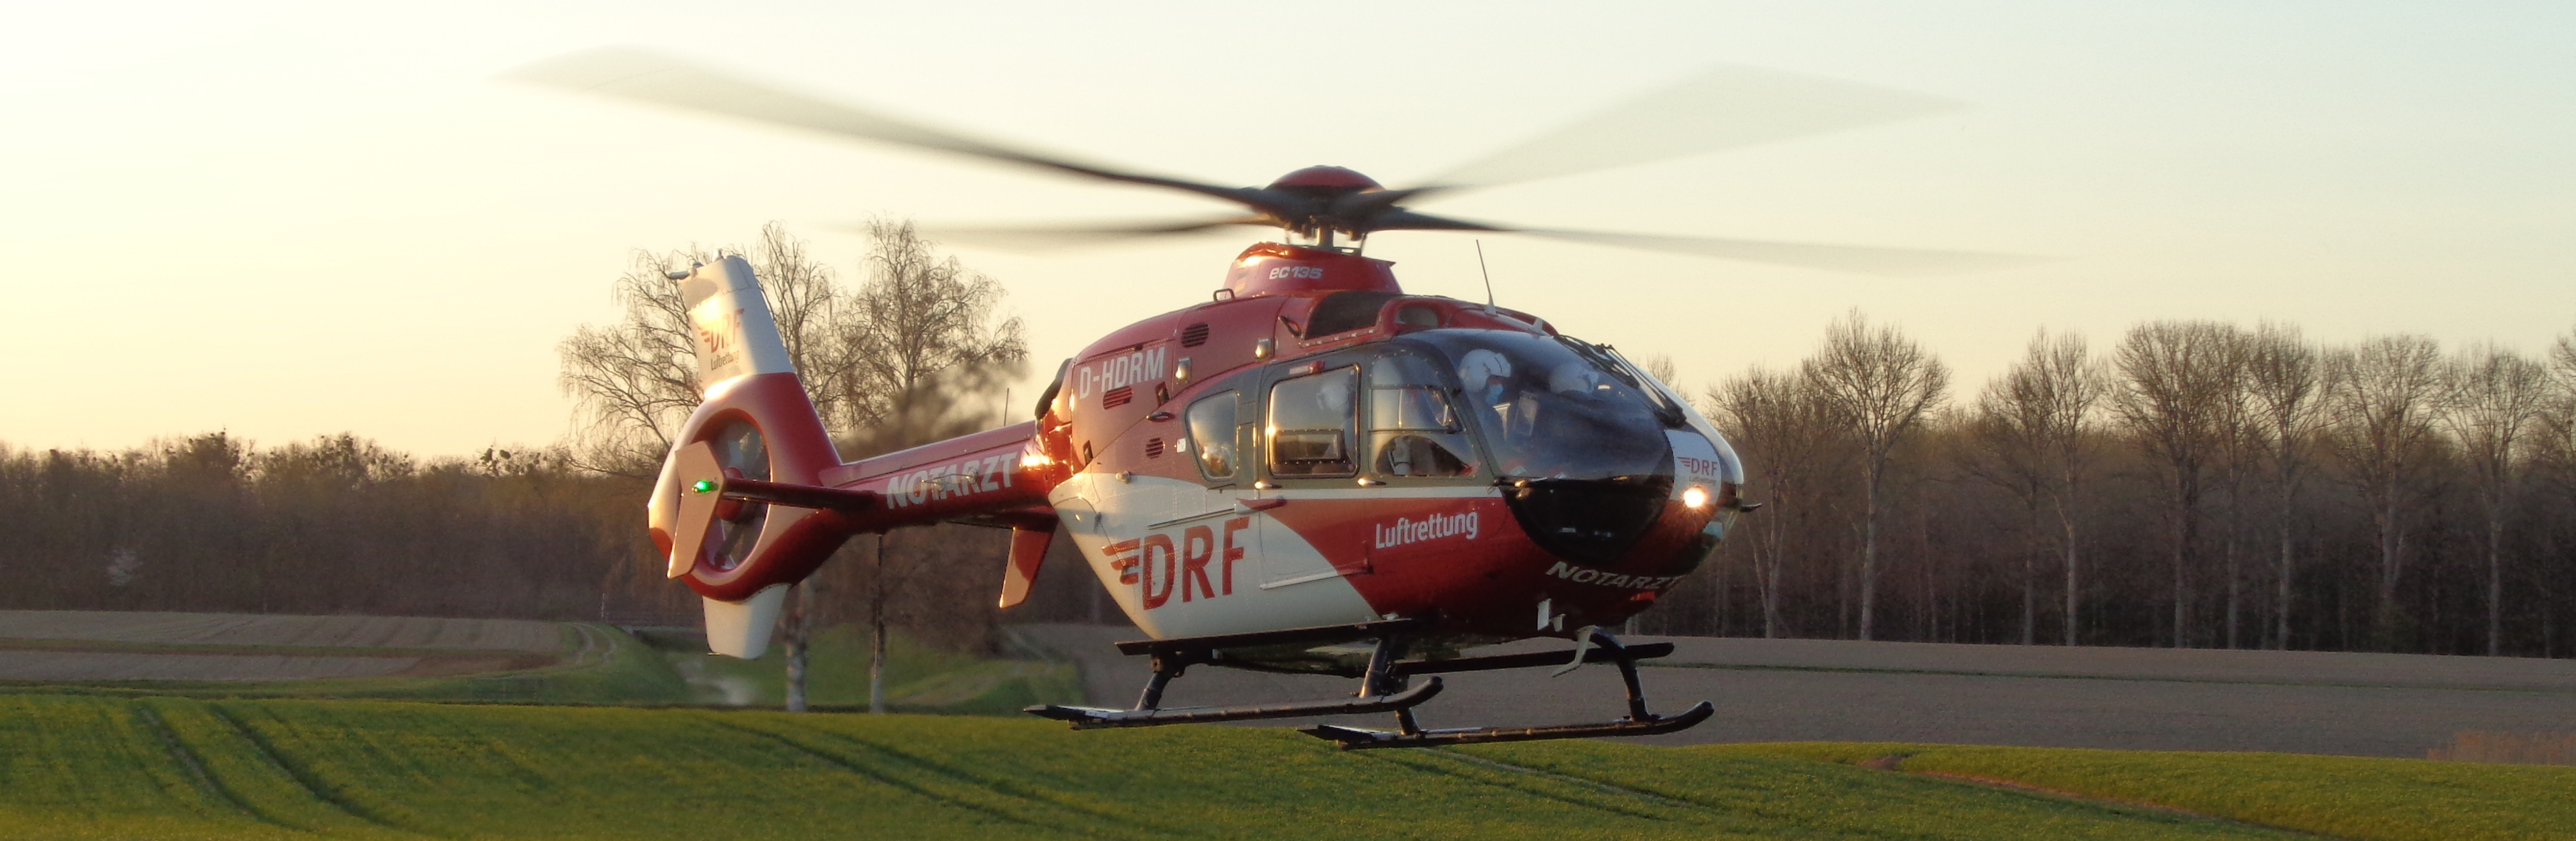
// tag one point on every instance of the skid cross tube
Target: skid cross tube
(1533, 660)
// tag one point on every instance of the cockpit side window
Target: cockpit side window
(1413, 428)
(1313, 424)
(1211, 427)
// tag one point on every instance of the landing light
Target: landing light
(1696, 497)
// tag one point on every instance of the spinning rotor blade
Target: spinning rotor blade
(1862, 259)
(1722, 108)
(643, 76)
(1051, 237)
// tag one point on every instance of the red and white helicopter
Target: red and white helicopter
(1310, 471)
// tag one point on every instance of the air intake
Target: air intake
(1194, 335)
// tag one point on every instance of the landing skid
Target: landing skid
(1357, 738)
(1383, 688)
(1087, 718)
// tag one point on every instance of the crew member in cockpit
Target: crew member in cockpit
(1533, 412)
(1487, 377)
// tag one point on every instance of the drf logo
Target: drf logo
(718, 336)
(1153, 566)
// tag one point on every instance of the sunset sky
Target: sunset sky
(288, 220)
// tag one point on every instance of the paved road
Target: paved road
(147, 627)
(80, 645)
(1793, 690)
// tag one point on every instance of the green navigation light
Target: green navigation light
(703, 485)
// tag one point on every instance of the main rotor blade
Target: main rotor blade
(643, 76)
(1725, 107)
(1057, 237)
(1861, 259)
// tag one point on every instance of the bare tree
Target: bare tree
(1662, 369)
(1785, 432)
(2562, 362)
(921, 335)
(2281, 378)
(2381, 399)
(802, 295)
(804, 298)
(2492, 396)
(634, 381)
(1879, 384)
(2239, 450)
(2032, 427)
(2175, 378)
(2003, 450)
(922, 320)
(2556, 452)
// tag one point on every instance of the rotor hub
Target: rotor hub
(1325, 182)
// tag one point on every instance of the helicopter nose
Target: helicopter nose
(1592, 522)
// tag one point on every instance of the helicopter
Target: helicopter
(1309, 471)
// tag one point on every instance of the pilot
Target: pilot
(1579, 380)
(1487, 376)
(1511, 406)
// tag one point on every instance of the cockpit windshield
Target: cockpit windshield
(1548, 410)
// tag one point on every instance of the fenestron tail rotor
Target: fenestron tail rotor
(1717, 109)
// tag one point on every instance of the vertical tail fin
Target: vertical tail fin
(759, 424)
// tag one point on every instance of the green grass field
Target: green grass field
(106, 767)
(919, 678)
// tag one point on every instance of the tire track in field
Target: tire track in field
(2115, 808)
(847, 764)
(320, 790)
(1896, 763)
(198, 776)
(1020, 791)
(1496, 778)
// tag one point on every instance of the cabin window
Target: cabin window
(1211, 427)
(1413, 430)
(1313, 422)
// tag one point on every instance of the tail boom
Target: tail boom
(754, 496)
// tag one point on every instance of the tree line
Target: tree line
(2195, 484)
(338, 524)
